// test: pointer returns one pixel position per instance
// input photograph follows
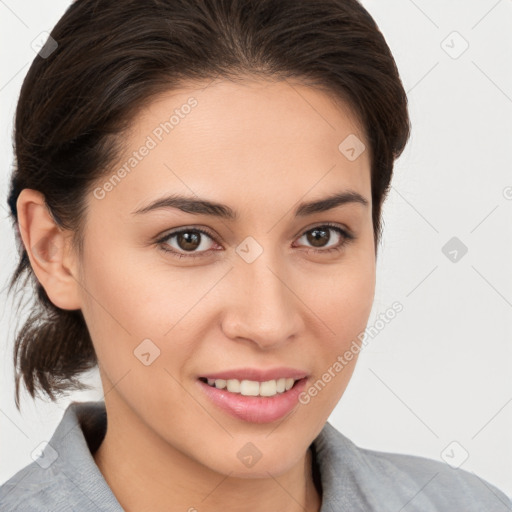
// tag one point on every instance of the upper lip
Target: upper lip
(256, 374)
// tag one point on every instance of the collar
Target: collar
(83, 427)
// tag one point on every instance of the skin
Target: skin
(260, 147)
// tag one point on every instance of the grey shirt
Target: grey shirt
(66, 478)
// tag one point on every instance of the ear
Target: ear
(49, 251)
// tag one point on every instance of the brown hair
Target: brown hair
(113, 56)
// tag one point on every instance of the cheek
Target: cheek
(134, 322)
(346, 298)
(354, 299)
(345, 309)
(128, 302)
(124, 293)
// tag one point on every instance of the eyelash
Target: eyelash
(347, 237)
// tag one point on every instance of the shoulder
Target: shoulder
(34, 488)
(446, 487)
(408, 482)
(64, 476)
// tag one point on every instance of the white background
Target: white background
(441, 370)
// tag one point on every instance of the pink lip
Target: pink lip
(255, 409)
(257, 374)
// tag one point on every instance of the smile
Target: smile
(252, 387)
(254, 401)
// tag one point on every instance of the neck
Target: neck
(152, 475)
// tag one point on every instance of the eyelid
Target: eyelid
(314, 225)
(175, 231)
(343, 231)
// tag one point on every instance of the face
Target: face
(173, 296)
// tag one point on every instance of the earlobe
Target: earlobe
(47, 250)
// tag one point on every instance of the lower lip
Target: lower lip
(255, 409)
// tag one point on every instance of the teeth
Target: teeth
(220, 384)
(288, 384)
(248, 387)
(233, 385)
(268, 388)
(252, 387)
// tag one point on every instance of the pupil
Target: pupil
(188, 240)
(317, 235)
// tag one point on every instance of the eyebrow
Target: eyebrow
(199, 206)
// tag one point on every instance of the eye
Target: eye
(194, 241)
(319, 237)
(187, 239)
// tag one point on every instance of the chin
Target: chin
(253, 459)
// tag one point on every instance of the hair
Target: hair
(112, 57)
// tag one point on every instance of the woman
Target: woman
(198, 195)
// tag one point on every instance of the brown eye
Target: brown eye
(320, 236)
(188, 240)
(193, 242)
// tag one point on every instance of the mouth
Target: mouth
(247, 387)
(254, 401)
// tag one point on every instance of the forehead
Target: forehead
(227, 140)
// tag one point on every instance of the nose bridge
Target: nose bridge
(263, 307)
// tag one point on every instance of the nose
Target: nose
(262, 308)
